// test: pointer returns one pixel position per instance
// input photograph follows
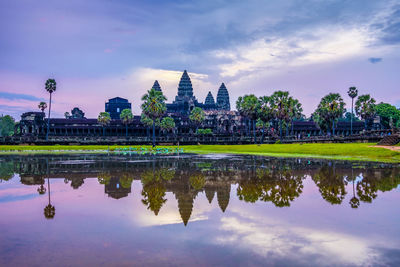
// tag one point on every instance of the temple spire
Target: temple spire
(156, 86)
(223, 98)
(185, 88)
(209, 99)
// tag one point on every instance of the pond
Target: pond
(197, 210)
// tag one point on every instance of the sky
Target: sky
(99, 49)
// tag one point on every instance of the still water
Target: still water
(197, 210)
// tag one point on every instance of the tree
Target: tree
(42, 106)
(167, 124)
(104, 119)
(295, 110)
(197, 116)
(67, 115)
(365, 108)
(147, 122)
(265, 114)
(332, 186)
(329, 110)
(50, 87)
(248, 106)
(387, 111)
(7, 124)
(126, 118)
(49, 210)
(353, 92)
(154, 107)
(281, 102)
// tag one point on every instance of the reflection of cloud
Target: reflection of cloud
(277, 239)
(374, 60)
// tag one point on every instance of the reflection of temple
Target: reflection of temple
(115, 190)
(277, 181)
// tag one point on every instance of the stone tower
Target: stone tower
(223, 98)
(209, 99)
(185, 89)
(156, 86)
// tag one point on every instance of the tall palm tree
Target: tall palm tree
(329, 110)
(365, 108)
(146, 121)
(104, 119)
(49, 210)
(42, 106)
(295, 111)
(265, 113)
(353, 92)
(281, 103)
(154, 107)
(197, 116)
(126, 117)
(50, 87)
(248, 106)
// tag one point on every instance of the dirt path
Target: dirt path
(394, 148)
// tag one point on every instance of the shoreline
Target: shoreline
(337, 151)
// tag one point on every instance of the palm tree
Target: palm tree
(265, 113)
(295, 110)
(353, 92)
(281, 104)
(104, 119)
(154, 107)
(329, 110)
(66, 114)
(42, 106)
(126, 117)
(146, 121)
(50, 87)
(197, 116)
(365, 108)
(167, 124)
(248, 106)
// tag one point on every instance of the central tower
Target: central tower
(185, 88)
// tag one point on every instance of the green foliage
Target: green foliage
(329, 110)
(146, 120)
(265, 111)
(126, 116)
(126, 180)
(167, 123)
(387, 111)
(278, 142)
(204, 131)
(197, 115)
(104, 178)
(7, 124)
(353, 92)
(260, 124)
(51, 86)
(154, 105)
(197, 181)
(6, 170)
(365, 107)
(248, 106)
(332, 186)
(104, 118)
(42, 106)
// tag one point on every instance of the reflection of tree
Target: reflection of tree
(279, 186)
(354, 201)
(6, 171)
(197, 181)
(49, 210)
(126, 180)
(367, 188)
(41, 190)
(390, 181)
(104, 178)
(154, 189)
(331, 185)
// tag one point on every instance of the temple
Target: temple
(185, 100)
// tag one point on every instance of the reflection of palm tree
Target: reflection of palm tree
(354, 201)
(49, 210)
(41, 190)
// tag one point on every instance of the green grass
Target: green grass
(352, 151)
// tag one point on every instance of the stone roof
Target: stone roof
(209, 99)
(223, 98)
(156, 86)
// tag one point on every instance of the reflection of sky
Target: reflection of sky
(90, 227)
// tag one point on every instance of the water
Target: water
(196, 210)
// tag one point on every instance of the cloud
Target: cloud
(374, 60)
(14, 96)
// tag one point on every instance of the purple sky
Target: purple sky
(101, 49)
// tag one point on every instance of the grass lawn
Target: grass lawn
(351, 151)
